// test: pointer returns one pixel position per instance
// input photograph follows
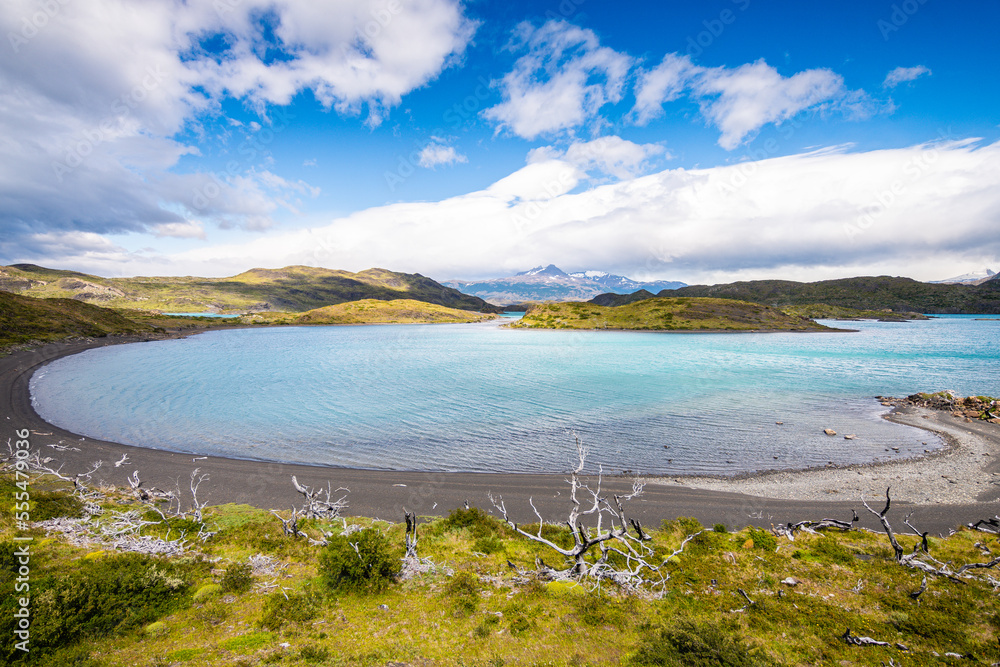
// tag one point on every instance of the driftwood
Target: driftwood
(987, 525)
(854, 640)
(788, 530)
(613, 540)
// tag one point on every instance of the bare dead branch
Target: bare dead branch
(319, 502)
(854, 640)
(610, 535)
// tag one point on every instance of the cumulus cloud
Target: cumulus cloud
(560, 83)
(436, 153)
(609, 155)
(664, 83)
(93, 100)
(741, 100)
(827, 213)
(904, 74)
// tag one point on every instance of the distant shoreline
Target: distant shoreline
(385, 494)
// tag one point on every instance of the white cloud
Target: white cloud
(664, 83)
(562, 81)
(436, 153)
(191, 229)
(741, 100)
(610, 155)
(92, 101)
(904, 74)
(824, 214)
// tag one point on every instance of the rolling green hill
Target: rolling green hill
(292, 289)
(666, 314)
(863, 293)
(24, 319)
(372, 311)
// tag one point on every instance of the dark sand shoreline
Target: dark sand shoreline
(385, 494)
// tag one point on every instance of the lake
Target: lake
(479, 397)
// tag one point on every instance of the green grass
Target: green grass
(665, 314)
(822, 311)
(290, 289)
(474, 609)
(372, 311)
(24, 319)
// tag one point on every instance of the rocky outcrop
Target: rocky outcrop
(985, 408)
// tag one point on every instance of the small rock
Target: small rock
(790, 581)
(850, 437)
(829, 431)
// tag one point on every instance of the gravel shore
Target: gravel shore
(967, 471)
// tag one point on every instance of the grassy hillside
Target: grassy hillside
(24, 319)
(372, 311)
(864, 293)
(249, 594)
(293, 289)
(666, 314)
(822, 311)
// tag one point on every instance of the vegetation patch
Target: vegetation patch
(665, 314)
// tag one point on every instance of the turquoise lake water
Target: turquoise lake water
(477, 397)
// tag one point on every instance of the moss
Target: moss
(206, 592)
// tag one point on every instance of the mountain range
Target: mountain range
(862, 293)
(290, 289)
(550, 283)
(973, 278)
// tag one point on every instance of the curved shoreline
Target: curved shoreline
(967, 494)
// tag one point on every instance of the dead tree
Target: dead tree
(197, 507)
(613, 539)
(291, 525)
(911, 560)
(319, 501)
(411, 535)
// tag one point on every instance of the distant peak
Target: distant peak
(550, 270)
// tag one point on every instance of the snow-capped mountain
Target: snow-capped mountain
(550, 283)
(974, 278)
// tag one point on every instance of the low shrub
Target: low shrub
(479, 523)
(692, 644)
(53, 504)
(363, 562)
(463, 590)
(762, 539)
(296, 608)
(96, 598)
(238, 578)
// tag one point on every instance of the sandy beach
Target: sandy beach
(960, 484)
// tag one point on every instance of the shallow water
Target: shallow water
(482, 398)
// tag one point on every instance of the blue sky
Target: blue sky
(703, 142)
